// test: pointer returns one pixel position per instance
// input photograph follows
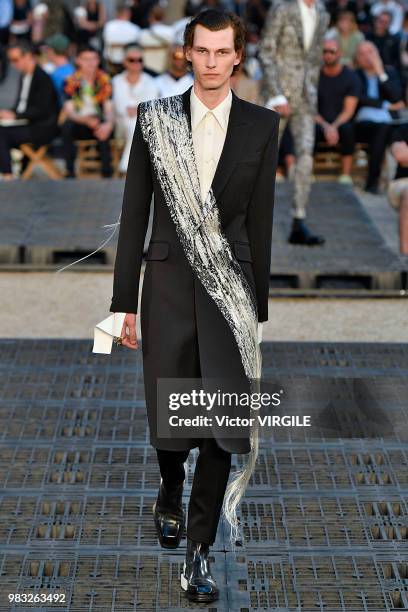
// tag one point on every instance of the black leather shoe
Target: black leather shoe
(196, 579)
(301, 234)
(169, 516)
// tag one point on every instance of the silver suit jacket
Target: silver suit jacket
(288, 68)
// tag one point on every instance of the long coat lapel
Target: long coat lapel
(298, 25)
(238, 131)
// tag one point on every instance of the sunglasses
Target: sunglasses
(134, 60)
(330, 51)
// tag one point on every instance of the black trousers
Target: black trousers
(10, 137)
(207, 493)
(346, 137)
(377, 136)
(72, 131)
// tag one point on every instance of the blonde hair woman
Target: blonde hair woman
(348, 35)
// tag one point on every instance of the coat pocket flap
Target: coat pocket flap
(157, 250)
(242, 251)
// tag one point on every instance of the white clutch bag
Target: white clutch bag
(106, 330)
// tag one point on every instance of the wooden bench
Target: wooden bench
(327, 162)
(88, 158)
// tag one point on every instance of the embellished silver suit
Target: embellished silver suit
(293, 71)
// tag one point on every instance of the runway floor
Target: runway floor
(324, 521)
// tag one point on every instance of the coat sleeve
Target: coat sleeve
(260, 218)
(268, 51)
(133, 226)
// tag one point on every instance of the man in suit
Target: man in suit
(210, 160)
(291, 51)
(35, 114)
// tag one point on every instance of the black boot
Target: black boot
(169, 516)
(196, 578)
(301, 234)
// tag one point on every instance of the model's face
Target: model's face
(213, 56)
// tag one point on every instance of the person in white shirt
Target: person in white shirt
(177, 78)
(290, 51)
(129, 89)
(117, 33)
(156, 40)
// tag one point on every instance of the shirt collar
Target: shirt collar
(221, 112)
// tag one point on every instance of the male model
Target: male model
(210, 160)
(290, 51)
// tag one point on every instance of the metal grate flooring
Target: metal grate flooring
(324, 521)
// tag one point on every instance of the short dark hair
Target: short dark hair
(214, 20)
(25, 46)
(87, 48)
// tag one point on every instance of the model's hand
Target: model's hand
(283, 109)
(129, 338)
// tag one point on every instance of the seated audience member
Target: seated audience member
(245, 87)
(347, 34)
(361, 9)
(90, 19)
(21, 24)
(177, 78)
(398, 188)
(129, 89)
(57, 18)
(57, 53)
(379, 93)
(394, 9)
(155, 41)
(337, 101)
(88, 108)
(140, 10)
(35, 114)
(388, 44)
(6, 14)
(118, 33)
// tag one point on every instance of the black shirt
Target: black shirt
(400, 133)
(333, 90)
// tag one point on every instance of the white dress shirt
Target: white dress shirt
(308, 15)
(309, 20)
(209, 128)
(24, 93)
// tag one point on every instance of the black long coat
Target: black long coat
(184, 334)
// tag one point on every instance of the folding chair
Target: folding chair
(39, 157)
